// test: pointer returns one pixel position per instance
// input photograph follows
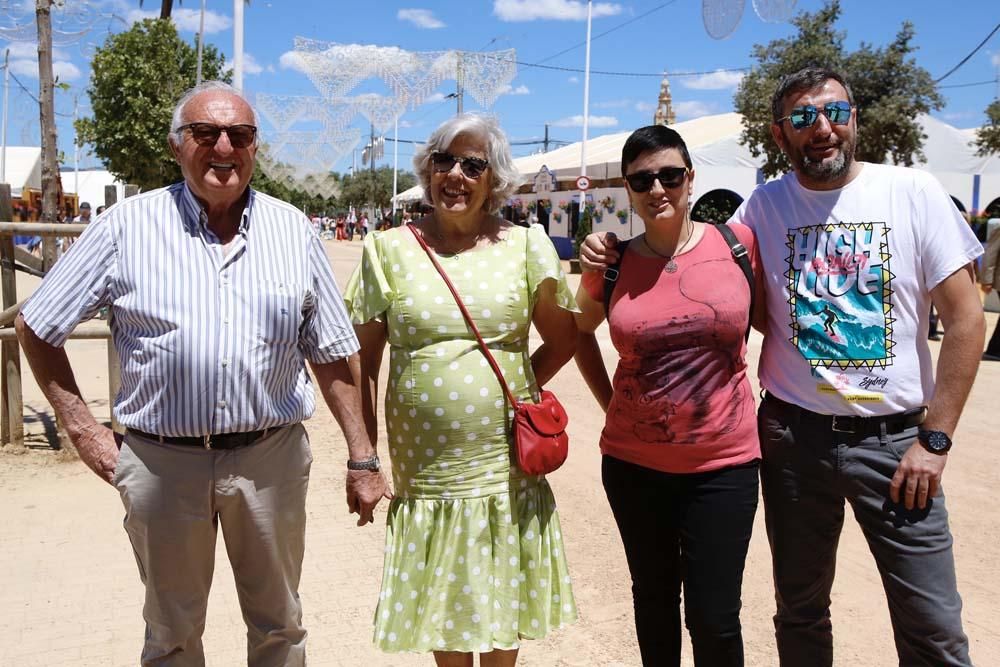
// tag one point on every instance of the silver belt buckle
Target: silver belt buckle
(842, 429)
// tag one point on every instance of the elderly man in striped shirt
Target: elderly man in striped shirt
(219, 296)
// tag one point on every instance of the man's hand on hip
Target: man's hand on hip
(365, 488)
(917, 477)
(598, 251)
(98, 448)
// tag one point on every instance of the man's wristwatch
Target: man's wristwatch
(936, 442)
(371, 463)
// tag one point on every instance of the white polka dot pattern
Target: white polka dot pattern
(473, 551)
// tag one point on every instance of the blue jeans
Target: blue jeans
(691, 528)
(807, 473)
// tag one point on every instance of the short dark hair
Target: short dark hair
(653, 138)
(807, 78)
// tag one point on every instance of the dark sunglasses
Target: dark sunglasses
(207, 134)
(802, 117)
(472, 167)
(669, 177)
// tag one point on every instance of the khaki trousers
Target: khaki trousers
(175, 497)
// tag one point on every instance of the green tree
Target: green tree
(890, 89)
(362, 188)
(988, 136)
(136, 79)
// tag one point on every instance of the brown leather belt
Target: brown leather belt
(216, 441)
(857, 425)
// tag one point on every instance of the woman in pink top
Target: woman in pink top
(680, 438)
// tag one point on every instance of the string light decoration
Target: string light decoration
(722, 17)
(303, 158)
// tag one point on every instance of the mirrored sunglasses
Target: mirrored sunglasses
(802, 117)
(669, 177)
(207, 134)
(472, 167)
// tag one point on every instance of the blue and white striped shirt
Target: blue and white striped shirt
(210, 341)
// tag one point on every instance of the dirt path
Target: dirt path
(70, 593)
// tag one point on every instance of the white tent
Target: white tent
(721, 162)
(91, 185)
(23, 168)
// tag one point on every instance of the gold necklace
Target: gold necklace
(671, 265)
(462, 243)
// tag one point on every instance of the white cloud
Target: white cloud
(995, 60)
(558, 10)
(422, 18)
(693, 109)
(250, 64)
(66, 71)
(595, 121)
(645, 107)
(29, 51)
(717, 80)
(293, 61)
(405, 123)
(186, 20)
(510, 90)
(434, 98)
(574, 79)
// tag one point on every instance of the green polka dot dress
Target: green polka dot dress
(474, 556)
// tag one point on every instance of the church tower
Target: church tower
(664, 109)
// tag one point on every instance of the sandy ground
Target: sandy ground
(70, 593)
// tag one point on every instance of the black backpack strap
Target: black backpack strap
(611, 277)
(742, 257)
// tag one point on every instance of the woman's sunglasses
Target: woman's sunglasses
(472, 167)
(802, 117)
(207, 134)
(669, 177)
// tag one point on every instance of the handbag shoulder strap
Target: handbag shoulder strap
(465, 314)
(742, 257)
(611, 275)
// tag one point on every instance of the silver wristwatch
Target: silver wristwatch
(371, 463)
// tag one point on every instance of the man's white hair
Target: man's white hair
(177, 120)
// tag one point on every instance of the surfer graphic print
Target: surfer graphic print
(847, 279)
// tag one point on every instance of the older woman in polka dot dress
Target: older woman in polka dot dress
(474, 560)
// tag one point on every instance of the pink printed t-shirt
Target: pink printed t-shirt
(682, 402)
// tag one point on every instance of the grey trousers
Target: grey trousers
(807, 473)
(175, 497)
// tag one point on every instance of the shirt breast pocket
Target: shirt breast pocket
(279, 312)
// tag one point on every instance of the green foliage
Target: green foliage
(716, 206)
(583, 228)
(890, 89)
(362, 188)
(988, 136)
(137, 77)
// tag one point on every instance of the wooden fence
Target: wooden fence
(13, 259)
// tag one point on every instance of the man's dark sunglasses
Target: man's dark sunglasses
(802, 117)
(669, 177)
(472, 167)
(207, 134)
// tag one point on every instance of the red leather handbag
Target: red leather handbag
(540, 439)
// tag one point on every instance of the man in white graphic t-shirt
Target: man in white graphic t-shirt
(854, 254)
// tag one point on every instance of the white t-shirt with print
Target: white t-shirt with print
(848, 275)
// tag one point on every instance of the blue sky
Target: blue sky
(657, 35)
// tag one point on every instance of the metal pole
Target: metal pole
(459, 85)
(586, 109)
(371, 163)
(238, 45)
(76, 152)
(395, 165)
(3, 131)
(201, 41)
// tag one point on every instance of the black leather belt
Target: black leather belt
(854, 424)
(216, 441)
